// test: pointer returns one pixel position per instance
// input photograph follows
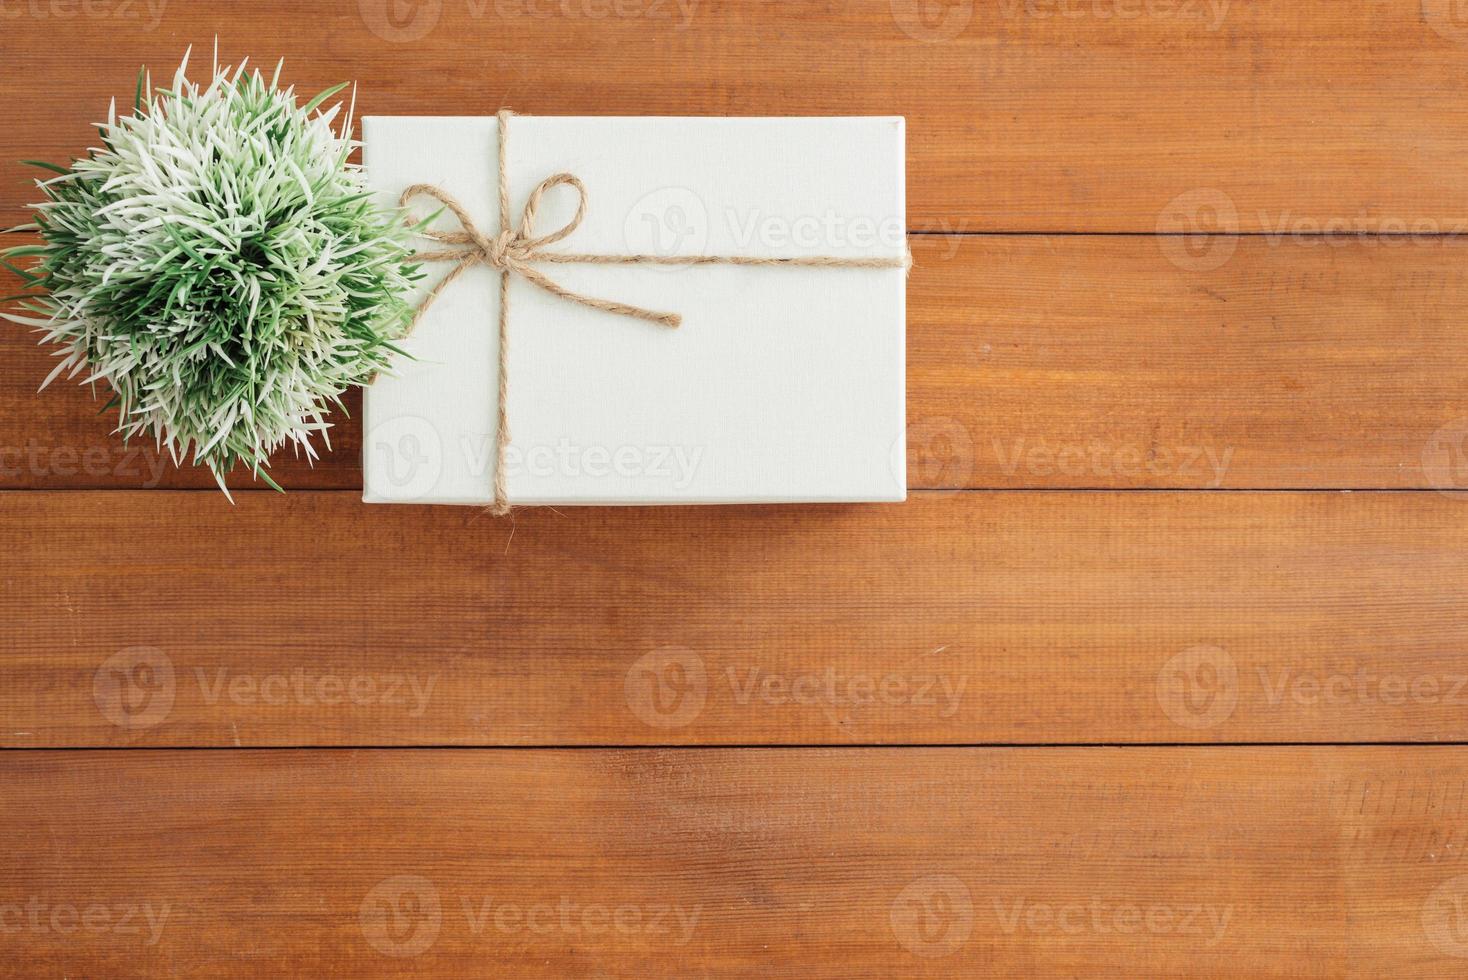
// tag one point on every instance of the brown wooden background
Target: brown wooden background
(1161, 672)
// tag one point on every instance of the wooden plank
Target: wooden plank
(1043, 362)
(174, 619)
(1040, 362)
(1025, 115)
(1200, 862)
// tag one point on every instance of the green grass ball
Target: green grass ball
(220, 265)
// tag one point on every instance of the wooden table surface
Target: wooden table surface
(1161, 672)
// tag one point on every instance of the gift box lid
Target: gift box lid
(782, 384)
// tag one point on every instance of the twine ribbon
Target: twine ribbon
(515, 250)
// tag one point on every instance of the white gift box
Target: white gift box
(783, 384)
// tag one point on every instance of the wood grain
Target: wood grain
(1197, 863)
(1025, 115)
(1043, 362)
(1173, 356)
(174, 619)
(1050, 361)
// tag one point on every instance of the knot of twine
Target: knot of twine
(514, 250)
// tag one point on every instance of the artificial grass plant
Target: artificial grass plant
(219, 265)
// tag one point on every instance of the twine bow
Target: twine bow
(514, 250)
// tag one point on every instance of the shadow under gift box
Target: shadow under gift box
(784, 384)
